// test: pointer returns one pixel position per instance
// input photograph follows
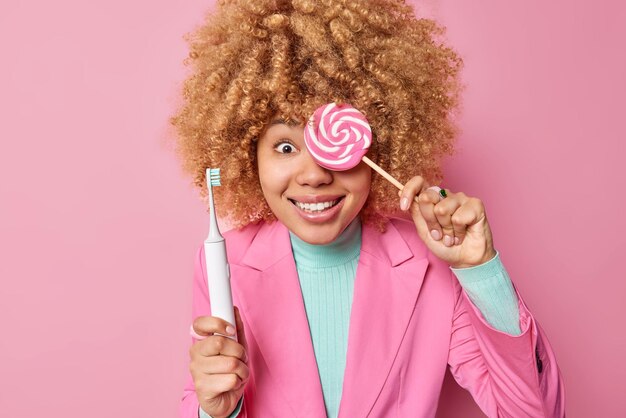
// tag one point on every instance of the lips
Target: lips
(318, 208)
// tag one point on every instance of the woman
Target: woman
(346, 309)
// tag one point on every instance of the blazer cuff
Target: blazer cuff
(202, 414)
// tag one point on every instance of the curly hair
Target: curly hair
(256, 59)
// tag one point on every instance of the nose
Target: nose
(312, 174)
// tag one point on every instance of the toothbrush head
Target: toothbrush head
(213, 176)
(213, 179)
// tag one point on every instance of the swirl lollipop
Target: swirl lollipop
(338, 138)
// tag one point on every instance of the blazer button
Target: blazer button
(539, 362)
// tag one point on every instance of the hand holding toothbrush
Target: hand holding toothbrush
(219, 364)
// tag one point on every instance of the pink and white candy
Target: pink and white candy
(337, 136)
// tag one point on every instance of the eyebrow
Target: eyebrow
(282, 121)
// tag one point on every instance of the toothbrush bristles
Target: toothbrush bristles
(214, 176)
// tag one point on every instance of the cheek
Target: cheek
(365, 190)
(360, 186)
(272, 179)
(365, 181)
(264, 176)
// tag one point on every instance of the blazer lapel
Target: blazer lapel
(268, 287)
(388, 281)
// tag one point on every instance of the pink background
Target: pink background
(98, 228)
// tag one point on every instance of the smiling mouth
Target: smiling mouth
(316, 207)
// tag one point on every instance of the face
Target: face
(316, 204)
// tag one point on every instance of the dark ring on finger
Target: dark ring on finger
(443, 193)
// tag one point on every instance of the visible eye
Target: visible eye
(285, 147)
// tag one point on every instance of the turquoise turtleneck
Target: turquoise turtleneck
(327, 274)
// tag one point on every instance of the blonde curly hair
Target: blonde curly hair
(256, 59)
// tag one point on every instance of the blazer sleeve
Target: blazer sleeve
(507, 375)
(189, 407)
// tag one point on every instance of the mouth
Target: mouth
(316, 207)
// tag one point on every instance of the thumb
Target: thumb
(418, 219)
(420, 223)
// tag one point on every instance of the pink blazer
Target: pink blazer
(410, 320)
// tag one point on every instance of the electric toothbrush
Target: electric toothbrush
(217, 269)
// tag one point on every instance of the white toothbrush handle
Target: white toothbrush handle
(218, 275)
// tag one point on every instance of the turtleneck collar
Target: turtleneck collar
(343, 249)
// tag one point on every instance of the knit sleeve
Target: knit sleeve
(490, 289)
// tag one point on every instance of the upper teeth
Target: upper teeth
(315, 206)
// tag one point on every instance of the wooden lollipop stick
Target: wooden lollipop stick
(383, 173)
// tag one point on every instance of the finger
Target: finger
(223, 365)
(218, 345)
(218, 384)
(444, 211)
(241, 335)
(203, 326)
(194, 335)
(411, 189)
(468, 214)
(427, 201)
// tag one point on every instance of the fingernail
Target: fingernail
(457, 240)
(435, 234)
(404, 204)
(447, 240)
(230, 330)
